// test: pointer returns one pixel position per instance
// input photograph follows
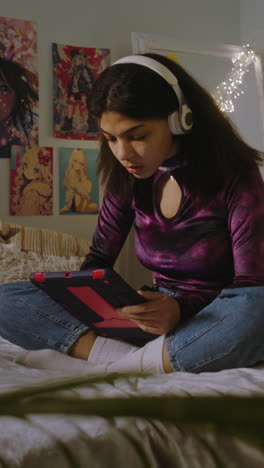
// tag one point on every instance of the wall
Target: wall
(252, 32)
(105, 23)
(251, 22)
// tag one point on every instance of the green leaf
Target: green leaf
(237, 416)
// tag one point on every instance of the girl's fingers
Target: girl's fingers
(149, 316)
(139, 309)
(154, 330)
(150, 295)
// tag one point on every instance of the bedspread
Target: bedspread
(67, 441)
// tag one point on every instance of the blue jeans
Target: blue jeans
(228, 333)
(31, 319)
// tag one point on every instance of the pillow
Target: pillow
(16, 265)
(45, 242)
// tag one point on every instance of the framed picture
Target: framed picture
(31, 181)
(75, 70)
(79, 192)
(19, 95)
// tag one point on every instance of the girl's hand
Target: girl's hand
(159, 314)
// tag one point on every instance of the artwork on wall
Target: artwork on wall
(75, 70)
(79, 191)
(18, 84)
(31, 181)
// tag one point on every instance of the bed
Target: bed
(105, 439)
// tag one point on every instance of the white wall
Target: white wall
(106, 23)
(251, 22)
(252, 32)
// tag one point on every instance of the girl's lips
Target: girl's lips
(134, 169)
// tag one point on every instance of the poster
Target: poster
(18, 84)
(79, 192)
(75, 70)
(31, 181)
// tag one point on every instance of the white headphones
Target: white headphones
(180, 121)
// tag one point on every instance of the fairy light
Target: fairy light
(230, 89)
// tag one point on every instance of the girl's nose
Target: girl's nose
(124, 151)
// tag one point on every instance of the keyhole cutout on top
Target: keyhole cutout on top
(169, 196)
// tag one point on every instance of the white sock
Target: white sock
(145, 359)
(108, 349)
(51, 359)
(11, 351)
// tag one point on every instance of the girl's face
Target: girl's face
(141, 146)
(7, 99)
(77, 160)
(31, 171)
(77, 164)
(79, 61)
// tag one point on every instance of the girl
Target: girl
(174, 168)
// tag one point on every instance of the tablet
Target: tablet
(93, 296)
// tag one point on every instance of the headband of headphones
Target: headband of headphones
(180, 121)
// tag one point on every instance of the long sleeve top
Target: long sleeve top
(203, 249)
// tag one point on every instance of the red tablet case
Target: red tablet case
(93, 296)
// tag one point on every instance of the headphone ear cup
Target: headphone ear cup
(186, 118)
(174, 123)
(179, 124)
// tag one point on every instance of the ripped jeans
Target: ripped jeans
(227, 333)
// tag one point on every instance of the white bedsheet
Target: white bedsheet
(56, 441)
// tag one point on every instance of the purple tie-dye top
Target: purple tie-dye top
(198, 252)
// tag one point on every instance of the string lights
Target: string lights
(231, 88)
